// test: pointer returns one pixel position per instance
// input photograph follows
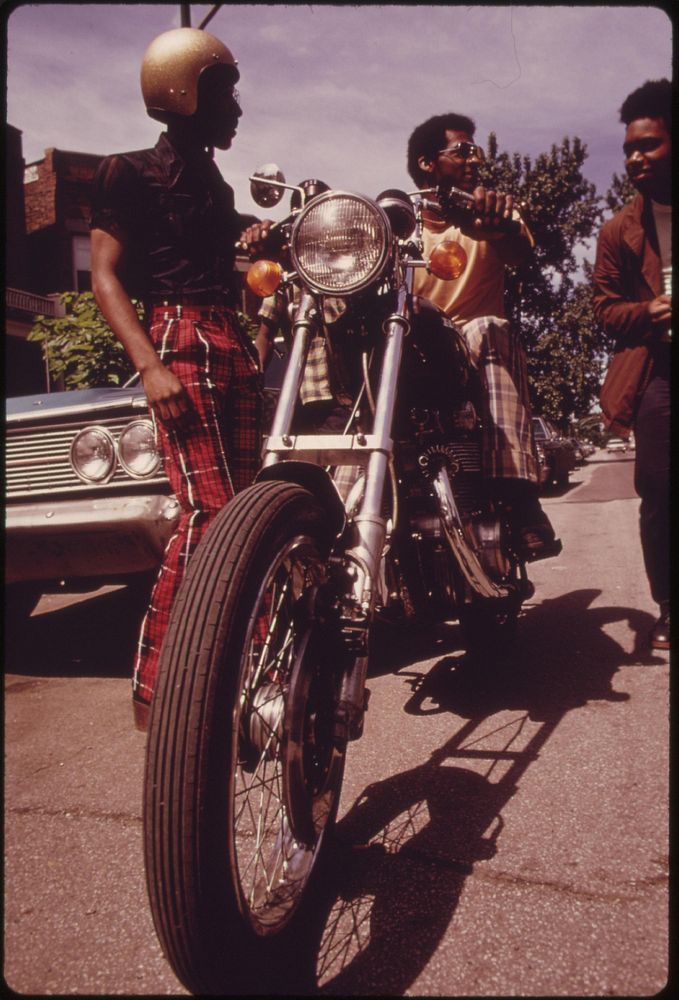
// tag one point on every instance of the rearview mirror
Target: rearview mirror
(267, 185)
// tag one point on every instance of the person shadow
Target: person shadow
(391, 881)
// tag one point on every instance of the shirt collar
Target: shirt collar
(174, 162)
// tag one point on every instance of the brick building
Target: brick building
(24, 371)
(57, 198)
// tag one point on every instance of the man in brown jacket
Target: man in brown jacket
(633, 301)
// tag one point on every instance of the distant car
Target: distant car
(558, 454)
(87, 500)
(616, 444)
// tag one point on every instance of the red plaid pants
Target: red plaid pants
(214, 454)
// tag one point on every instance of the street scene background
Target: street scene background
(503, 827)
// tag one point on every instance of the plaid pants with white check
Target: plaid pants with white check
(211, 456)
(508, 444)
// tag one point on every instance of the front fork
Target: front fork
(361, 560)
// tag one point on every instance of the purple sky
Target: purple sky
(334, 91)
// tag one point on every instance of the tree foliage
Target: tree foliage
(80, 346)
(620, 192)
(545, 296)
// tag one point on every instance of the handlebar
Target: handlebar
(454, 198)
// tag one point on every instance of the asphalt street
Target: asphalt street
(503, 828)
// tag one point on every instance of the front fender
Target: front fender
(317, 481)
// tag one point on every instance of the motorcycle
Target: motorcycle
(262, 678)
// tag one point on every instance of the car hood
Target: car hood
(48, 405)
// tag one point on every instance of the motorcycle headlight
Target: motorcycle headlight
(137, 449)
(340, 242)
(93, 455)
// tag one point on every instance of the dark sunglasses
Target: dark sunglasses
(465, 150)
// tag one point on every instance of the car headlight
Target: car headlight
(137, 450)
(340, 242)
(93, 455)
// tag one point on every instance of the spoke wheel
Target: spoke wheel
(285, 780)
(243, 776)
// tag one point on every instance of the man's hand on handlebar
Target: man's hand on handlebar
(492, 215)
(254, 238)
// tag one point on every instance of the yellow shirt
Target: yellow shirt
(479, 291)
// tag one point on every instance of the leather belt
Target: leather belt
(185, 310)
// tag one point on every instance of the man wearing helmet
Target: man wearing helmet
(164, 230)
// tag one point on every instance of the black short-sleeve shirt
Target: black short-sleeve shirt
(176, 218)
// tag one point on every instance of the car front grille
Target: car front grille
(38, 461)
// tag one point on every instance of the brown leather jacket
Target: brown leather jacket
(627, 275)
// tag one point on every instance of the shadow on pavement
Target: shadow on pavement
(95, 637)
(393, 878)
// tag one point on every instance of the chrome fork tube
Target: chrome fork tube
(305, 324)
(369, 522)
(370, 525)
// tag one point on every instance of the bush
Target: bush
(80, 346)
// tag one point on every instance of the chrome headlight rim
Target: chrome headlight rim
(148, 425)
(378, 268)
(98, 480)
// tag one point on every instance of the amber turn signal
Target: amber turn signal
(264, 277)
(448, 260)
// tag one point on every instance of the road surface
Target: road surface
(503, 829)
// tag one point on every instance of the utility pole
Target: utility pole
(185, 15)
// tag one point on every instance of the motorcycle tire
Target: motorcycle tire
(243, 774)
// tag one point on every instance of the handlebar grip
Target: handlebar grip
(455, 198)
(275, 239)
(512, 226)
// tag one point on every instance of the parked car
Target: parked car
(578, 451)
(558, 453)
(616, 444)
(87, 501)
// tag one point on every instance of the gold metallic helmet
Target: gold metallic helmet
(172, 65)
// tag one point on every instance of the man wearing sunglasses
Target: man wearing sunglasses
(442, 154)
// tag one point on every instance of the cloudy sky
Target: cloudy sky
(334, 91)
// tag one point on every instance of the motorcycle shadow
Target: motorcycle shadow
(392, 880)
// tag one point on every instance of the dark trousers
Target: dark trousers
(652, 478)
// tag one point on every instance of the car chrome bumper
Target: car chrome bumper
(87, 538)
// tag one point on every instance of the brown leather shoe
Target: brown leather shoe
(660, 636)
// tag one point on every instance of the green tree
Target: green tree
(568, 363)
(80, 346)
(620, 192)
(545, 296)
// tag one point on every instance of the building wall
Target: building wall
(57, 193)
(16, 251)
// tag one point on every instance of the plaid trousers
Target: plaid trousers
(212, 455)
(508, 443)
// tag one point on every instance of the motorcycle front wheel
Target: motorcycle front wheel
(243, 770)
